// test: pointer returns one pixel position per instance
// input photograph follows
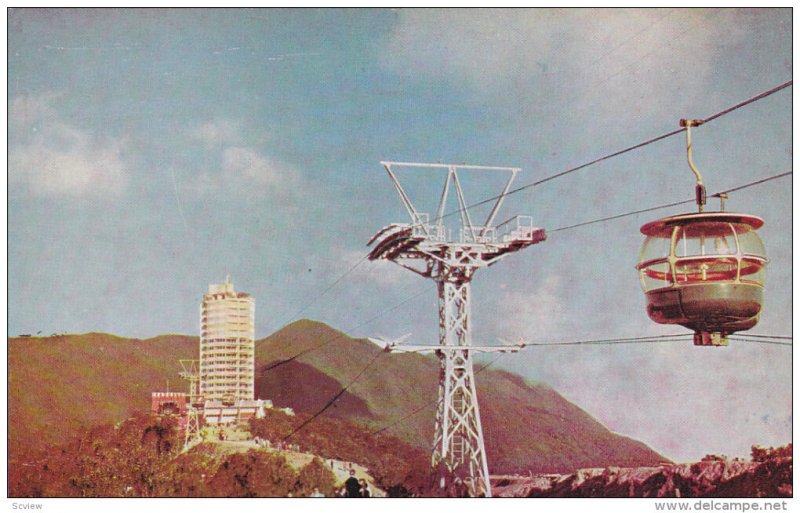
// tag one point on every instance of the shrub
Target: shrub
(316, 475)
(758, 453)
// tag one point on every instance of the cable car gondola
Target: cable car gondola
(704, 270)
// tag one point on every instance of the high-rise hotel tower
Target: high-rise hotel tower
(227, 335)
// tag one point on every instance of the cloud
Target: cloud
(239, 163)
(27, 110)
(582, 56)
(533, 314)
(381, 273)
(251, 165)
(216, 132)
(477, 47)
(50, 157)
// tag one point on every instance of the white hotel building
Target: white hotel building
(227, 339)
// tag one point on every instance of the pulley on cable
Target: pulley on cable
(704, 270)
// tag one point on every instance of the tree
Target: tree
(316, 475)
(254, 474)
(758, 453)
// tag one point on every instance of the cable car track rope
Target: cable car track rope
(430, 403)
(647, 142)
(674, 204)
(328, 289)
(642, 144)
(779, 337)
(680, 337)
(746, 338)
(563, 228)
(342, 334)
(647, 339)
(335, 397)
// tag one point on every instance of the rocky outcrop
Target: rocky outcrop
(713, 478)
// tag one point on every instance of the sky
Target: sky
(153, 152)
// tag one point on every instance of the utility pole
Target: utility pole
(427, 248)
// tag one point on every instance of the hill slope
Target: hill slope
(61, 384)
(58, 384)
(527, 426)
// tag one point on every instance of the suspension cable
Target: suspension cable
(577, 168)
(682, 337)
(343, 334)
(335, 397)
(779, 337)
(430, 403)
(647, 142)
(668, 205)
(744, 338)
(328, 289)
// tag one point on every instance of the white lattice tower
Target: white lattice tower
(427, 249)
(192, 430)
(191, 373)
(458, 440)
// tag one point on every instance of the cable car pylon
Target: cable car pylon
(427, 247)
(190, 371)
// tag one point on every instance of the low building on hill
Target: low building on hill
(217, 413)
(171, 403)
(168, 403)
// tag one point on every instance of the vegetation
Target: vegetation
(527, 427)
(395, 465)
(758, 453)
(139, 458)
(108, 461)
(51, 396)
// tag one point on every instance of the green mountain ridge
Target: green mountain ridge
(59, 384)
